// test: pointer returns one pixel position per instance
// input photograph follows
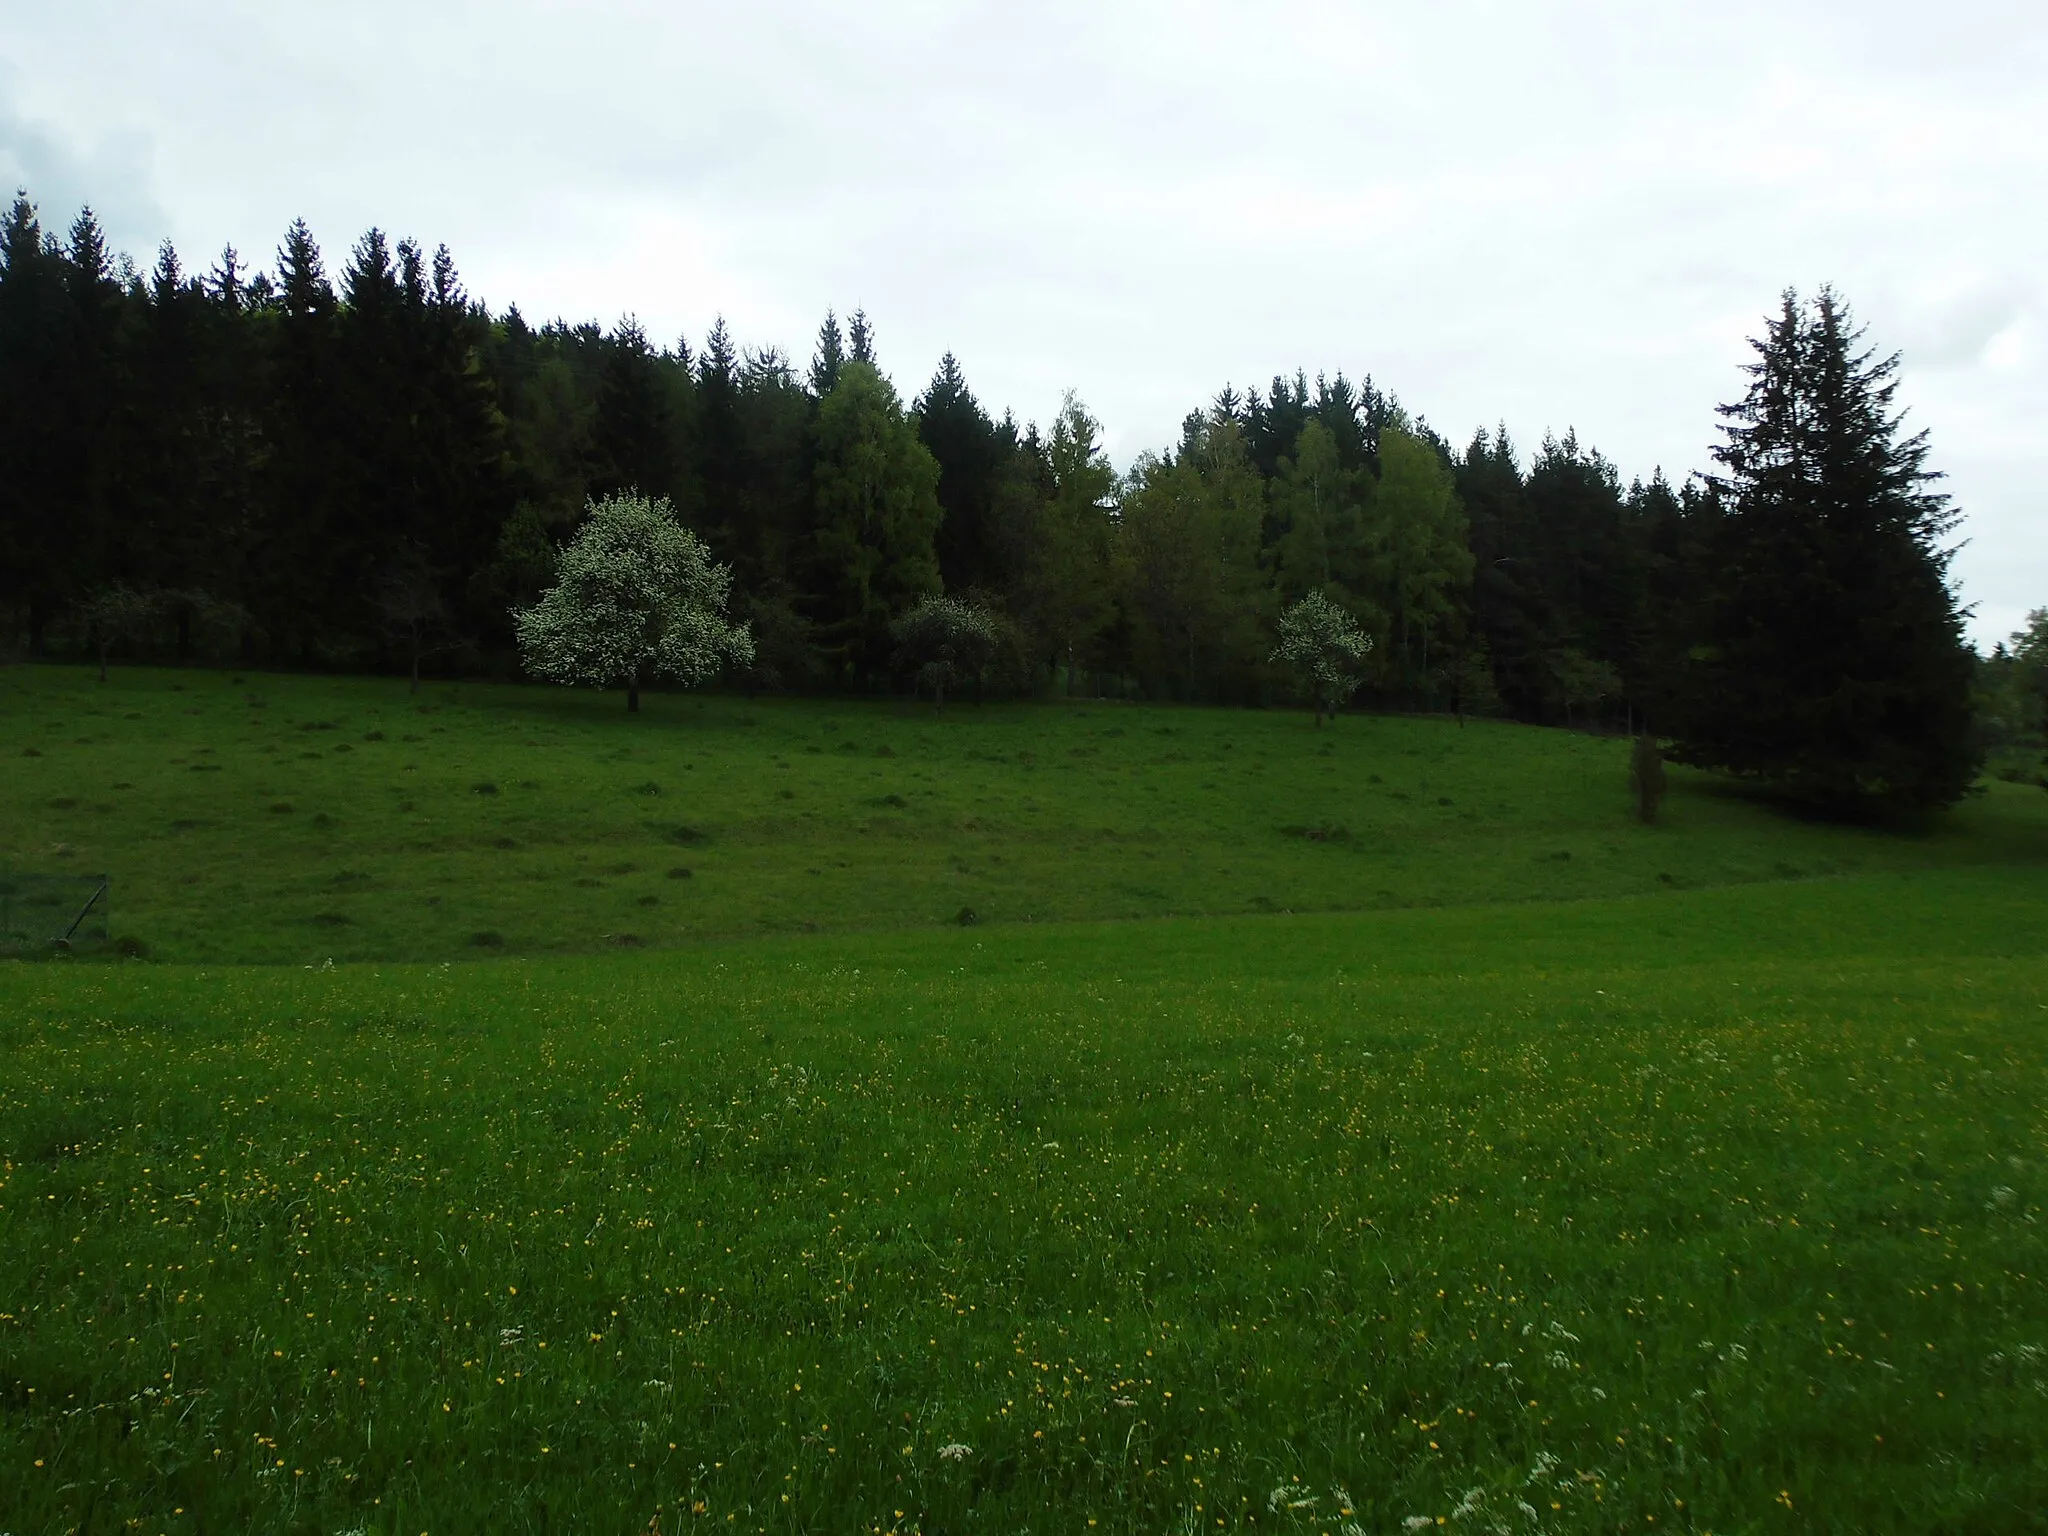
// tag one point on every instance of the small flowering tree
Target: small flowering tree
(1326, 649)
(117, 612)
(945, 639)
(636, 597)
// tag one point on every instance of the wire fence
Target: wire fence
(44, 913)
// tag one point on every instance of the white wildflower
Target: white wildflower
(1289, 1496)
(955, 1452)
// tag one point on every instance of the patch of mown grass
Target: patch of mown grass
(1714, 1211)
(898, 818)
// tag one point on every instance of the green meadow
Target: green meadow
(267, 818)
(1442, 1149)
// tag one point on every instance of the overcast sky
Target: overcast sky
(1553, 215)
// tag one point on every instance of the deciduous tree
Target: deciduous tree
(945, 640)
(636, 597)
(876, 489)
(1326, 649)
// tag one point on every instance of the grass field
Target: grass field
(1710, 1204)
(275, 818)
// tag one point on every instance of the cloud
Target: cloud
(111, 174)
(1957, 330)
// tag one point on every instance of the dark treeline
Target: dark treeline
(365, 467)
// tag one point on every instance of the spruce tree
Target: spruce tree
(1831, 659)
(630, 433)
(831, 355)
(34, 324)
(860, 339)
(458, 440)
(972, 452)
(721, 442)
(1272, 424)
(165, 505)
(303, 466)
(94, 399)
(375, 380)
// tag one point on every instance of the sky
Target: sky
(1554, 216)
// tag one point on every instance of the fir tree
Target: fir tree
(721, 448)
(1831, 659)
(831, 355)
(34, 321)
(630, 434)
(301, 508)
(972, 452)
(860, 339)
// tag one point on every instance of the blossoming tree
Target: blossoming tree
(636, 597)
(946, 640)
(1325, 647)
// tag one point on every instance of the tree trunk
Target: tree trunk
(415, 668)
(633, 695)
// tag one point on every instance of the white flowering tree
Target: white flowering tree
(1326, 649)
(946, 641)
(636, 597)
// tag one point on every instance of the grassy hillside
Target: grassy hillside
(1712, 1211)
(281, 818)
(1461, 1156)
